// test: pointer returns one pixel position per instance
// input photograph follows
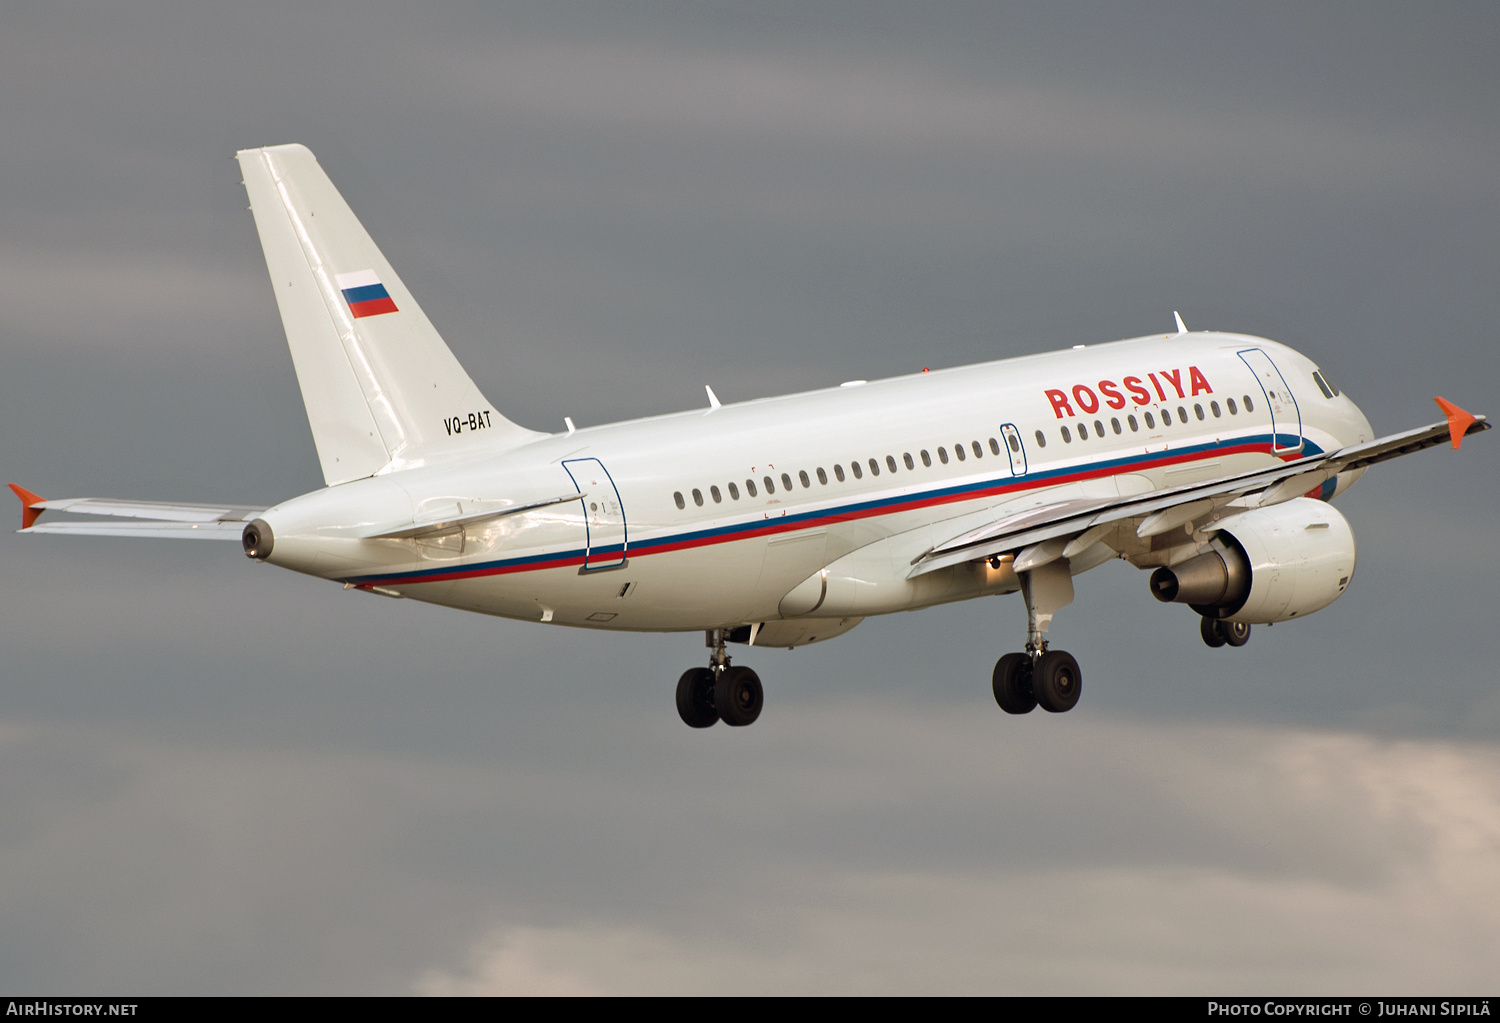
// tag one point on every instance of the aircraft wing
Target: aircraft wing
(152, 518)
(1042, 534)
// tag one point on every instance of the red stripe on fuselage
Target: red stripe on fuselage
(779, 525)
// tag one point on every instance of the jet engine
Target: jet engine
(1266, 565)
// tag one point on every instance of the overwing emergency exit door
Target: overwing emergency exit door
(605, 534)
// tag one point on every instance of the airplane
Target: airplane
(1208, 458)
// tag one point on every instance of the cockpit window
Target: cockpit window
(1323, 385)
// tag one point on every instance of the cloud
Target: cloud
(923, 850)
(1372, 865)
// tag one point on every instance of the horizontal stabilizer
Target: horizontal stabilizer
(158, 518)
(167, 530)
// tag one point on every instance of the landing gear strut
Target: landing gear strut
(1039, 677)
(1216, 632)
(720, 692)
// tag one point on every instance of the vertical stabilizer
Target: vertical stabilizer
(382, 390)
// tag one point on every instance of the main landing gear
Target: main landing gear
(1216, 632)
(1040, 677)
(720, 692)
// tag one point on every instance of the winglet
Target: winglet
(1181, 327)
(29, 501)
(1459, 421)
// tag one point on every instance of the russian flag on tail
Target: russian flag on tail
(365, 294)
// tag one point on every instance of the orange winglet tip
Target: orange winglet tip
(29, 515)
(1459, 421)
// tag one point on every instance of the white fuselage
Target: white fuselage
(712, 518)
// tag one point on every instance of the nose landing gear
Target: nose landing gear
(720, 692)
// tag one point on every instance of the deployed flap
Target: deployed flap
(382, 390)
(1167, 508)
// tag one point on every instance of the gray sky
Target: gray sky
(218, 777)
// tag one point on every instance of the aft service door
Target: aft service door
(1014, 448)
(1286, 417)
(605, 536)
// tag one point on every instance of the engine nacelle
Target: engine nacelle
(1266, 565)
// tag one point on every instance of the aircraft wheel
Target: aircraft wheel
(1212, 631)
(695, 698)
(1012, 684)
(1235, 633)
(738, 696)
(1055, 680)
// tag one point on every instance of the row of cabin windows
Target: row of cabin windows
(960, 452)
(1166, 420)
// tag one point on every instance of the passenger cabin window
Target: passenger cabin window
(874, 467)
(1150, 423)
(698, 497)
(838, 473)
(770, 484)
(1098, 429)
(1134, 426)
(890, 462)
(750, 487)
(822, 476)
(1182, 414)
(1249, 405)
(681, 504)
(854, 467)
(1041, 439)
(1213, 407)
(943, 455)
(926, 458)
(1115, 425)
(978, 451)
(995, 446)
(958, 450)
(906, 457)
(786, 482)
(1067, 437)
(734, 492)
(802, 476)
(1083, 431)
(1166, 417)
(1232, 409)
(713, 492)
(1198, 411)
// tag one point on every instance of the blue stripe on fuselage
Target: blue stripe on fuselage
(856, 510)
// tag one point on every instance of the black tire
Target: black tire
(1212, 631)
(695, 698)
(1055, 680)
(1235, 633)
(738, 696)
(1012, 684)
